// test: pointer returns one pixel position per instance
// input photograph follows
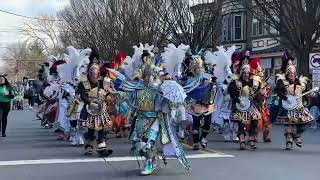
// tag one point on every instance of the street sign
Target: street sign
(315, 84)
(314, 61)
(316, 71)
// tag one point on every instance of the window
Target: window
(260, 28)
(237, 27)
(254, 27)
(229, 28)
(224, 29)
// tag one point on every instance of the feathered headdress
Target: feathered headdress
(235, 60)
(255, 66)
(54, 66)
(173, 58)
(127, 67)
(287, 63)
(220, 61)
(76, 59)
(244, 59)
(119, 59)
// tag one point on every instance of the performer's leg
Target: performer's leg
(253, 134)
(195, 131)
(73, 132)
(289, 138)
(227, 133)
(205, 130)
(90, 137)
(149, 152)
(299, 129)
(5, 111)
(234, 129)
(242, 135)
(266, 131)
(102, 144)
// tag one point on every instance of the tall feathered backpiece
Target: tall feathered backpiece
(138, 51)
(173, 58)
(75, 58)
(48, 64)
(220, 61)
(127, 67)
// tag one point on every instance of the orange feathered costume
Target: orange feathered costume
(264, 124)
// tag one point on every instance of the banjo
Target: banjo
(294, 100)
(246, 104)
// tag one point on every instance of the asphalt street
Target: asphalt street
(30, 152)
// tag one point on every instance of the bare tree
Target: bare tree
(112, 24)
(196, 22)
(297, 21)
(22, 58)
(44, 30)
(120, 24)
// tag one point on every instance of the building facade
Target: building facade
(240, 29)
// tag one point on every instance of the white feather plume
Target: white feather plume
(138, 51)
(220, 60)
(127, 66)
(50, 90)
(75, 59)
(173, 58)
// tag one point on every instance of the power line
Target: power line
(28, 17)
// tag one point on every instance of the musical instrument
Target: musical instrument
(294, 100)
(95, 111)
(246, 104)
(73, 107)
(94, 95)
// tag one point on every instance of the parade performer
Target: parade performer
(19, 97)
(243, 92)
(173, 58)
(51, 93)
(93, 92)
(201, 102)
(293, 115)
(152, 113)
(261, 102)
(118, 108)
(70, 75)
(220, 63)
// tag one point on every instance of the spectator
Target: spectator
(32, 94)
(315, 112)
(6, 95)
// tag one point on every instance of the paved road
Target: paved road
(58, 160)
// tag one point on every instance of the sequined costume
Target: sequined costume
(93, 91)
(200, 102)
(152, 115)
(261, 102)
(296, 119)
(249, 88)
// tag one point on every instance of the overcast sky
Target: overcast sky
(9, 23)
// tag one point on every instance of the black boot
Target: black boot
(88, 148)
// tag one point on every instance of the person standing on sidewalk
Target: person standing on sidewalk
(6, 95)
(31, 95)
